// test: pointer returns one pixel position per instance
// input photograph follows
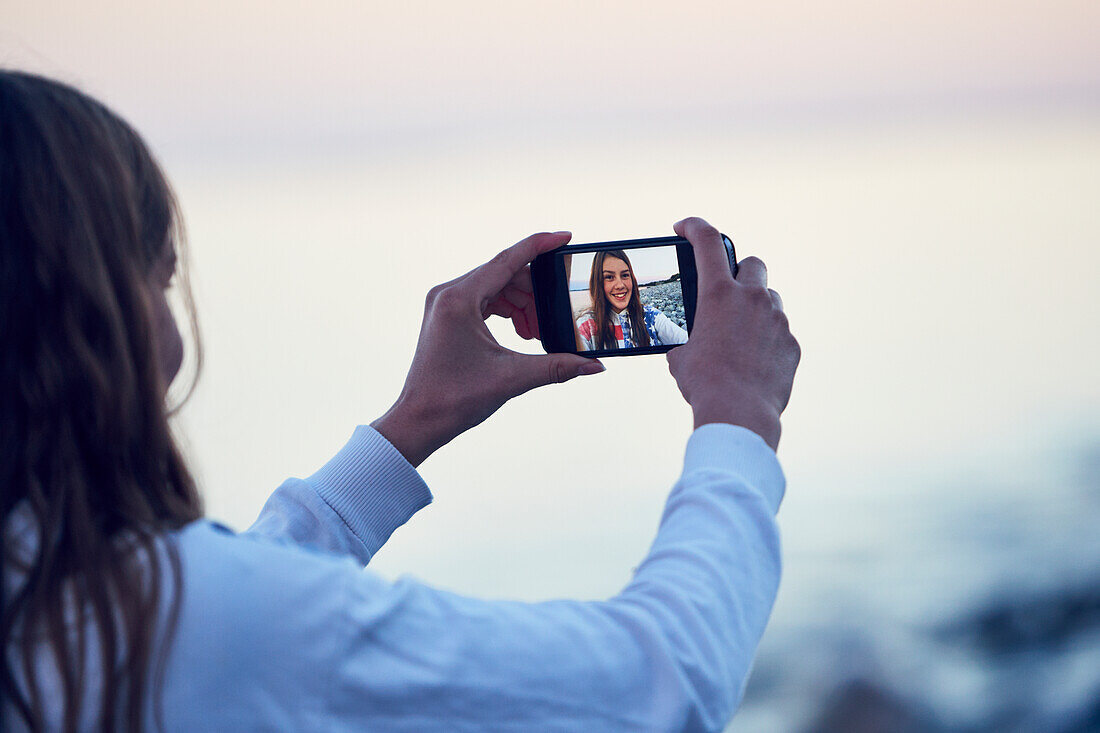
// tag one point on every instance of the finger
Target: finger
(489, 279)
(751, 271)
(504, 309)
(519, 321)
(517, 297)
(515, 304)
(776, 300)
(538, 370)
(522, 298)
(522, 281)
(532, 319)
(522, 317)
(528, 316)
(499, 307)
(711, 262)
(520, 287)
(523, 295)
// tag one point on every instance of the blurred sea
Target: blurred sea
(942, 446)
(977, 608)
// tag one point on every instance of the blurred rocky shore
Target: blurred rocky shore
(984, 619)
(1019, 664)
(666, 297)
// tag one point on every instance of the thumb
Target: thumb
(537, 371)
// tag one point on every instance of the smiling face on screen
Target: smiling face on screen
(617, 283)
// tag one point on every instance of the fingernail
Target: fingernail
(592, 367)
(563, 232)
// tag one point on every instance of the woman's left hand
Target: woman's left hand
(460, 375)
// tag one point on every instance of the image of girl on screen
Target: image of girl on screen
(617, 318)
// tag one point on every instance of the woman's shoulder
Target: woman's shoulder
(206, 541)
(253, 610)
(223, 569)
(229, 575)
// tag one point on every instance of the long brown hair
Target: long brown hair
(87, 460)
(601, 313)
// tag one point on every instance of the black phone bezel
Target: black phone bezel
(551, 292)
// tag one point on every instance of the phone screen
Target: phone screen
(626, 298)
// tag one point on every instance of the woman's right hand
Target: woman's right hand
(739, 364)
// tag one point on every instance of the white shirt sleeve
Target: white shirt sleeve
(351, 505)
(672, 651)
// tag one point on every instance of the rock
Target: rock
(667, 298)
(862, 706)
(1050, 620)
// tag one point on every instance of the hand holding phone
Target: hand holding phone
(460, 375)
(738, 367)
(647, 296)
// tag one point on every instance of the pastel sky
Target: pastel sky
(240, 73)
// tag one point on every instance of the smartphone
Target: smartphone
(622, 298)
